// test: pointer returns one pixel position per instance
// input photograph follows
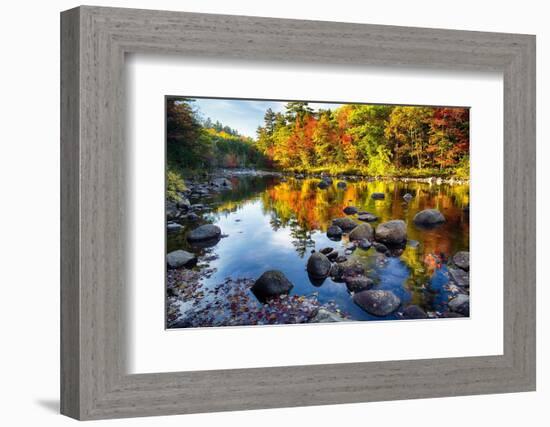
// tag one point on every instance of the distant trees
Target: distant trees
(374, 140)
(194, 145)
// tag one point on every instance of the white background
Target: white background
(29, 233)
(152, 348)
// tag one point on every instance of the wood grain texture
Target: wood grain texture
(94, 239)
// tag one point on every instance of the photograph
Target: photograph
(293, 212)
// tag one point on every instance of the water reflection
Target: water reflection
(274, 223)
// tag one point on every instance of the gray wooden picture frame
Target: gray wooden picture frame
(94, 41)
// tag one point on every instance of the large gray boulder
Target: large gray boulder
(318, 265)
(204, 232)
(462, 260)
(345, 223)
(361, 232)
(180, 258)
(271, 284)
(377, 302)
(460, 304)
(429, 218)
(391, 233)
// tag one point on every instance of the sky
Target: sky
(243, 115)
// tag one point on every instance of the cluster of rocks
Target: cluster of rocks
(323, 176)
(459, 273)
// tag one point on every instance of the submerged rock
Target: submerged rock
(358, 283)
(318, 265)
(429, 218)
(204, 232)
(462, 260)
(361, 232)
(414, 312)
(334, 232)
(460, 304)
(377, 302)
(345, 223)
(270, 284)
(350, 210)
(180, 258)
(378, 196)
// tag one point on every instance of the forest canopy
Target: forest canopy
(372, 140)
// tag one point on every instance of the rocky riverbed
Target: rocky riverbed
(369, 255)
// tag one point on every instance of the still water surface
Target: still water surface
(275, 223)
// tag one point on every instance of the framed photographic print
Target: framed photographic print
(304, 212)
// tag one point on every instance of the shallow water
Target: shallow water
(275, 223)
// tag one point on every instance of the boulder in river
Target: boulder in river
(270, 284)
(391, 233)
(378, 196)
(429, 218)
(367, 217)
(348, 268)
(377, 302)
(318, 265)
(462, 260)
(460, 304)
(334, 232)
(408, 197)
(204, 232)
(180, 258)
(414, 312)
(361, 232)
(358, 283)
(350, 210)
(345, 223)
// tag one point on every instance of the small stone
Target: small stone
(460, 304)
(326, 251)
(180, 258)
(358, 283)
(462, 260)
(350, 210)
(407, 197)
(414, 312)
(429, 218)
(378, 196)
(367, 217)
(334, 232)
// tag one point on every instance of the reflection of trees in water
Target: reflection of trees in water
(302, 207)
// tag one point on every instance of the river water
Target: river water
(273, 223)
